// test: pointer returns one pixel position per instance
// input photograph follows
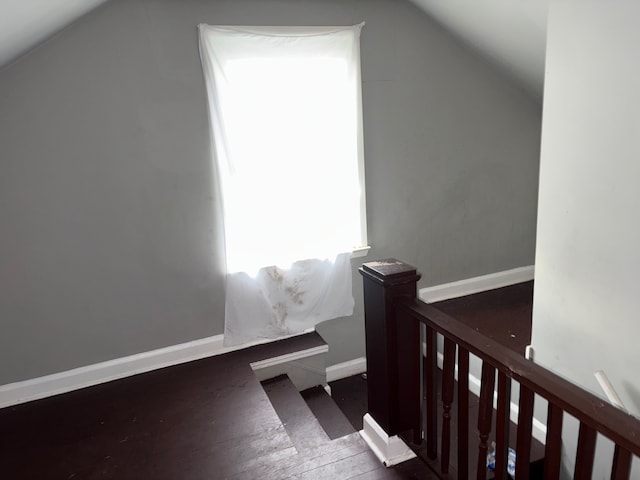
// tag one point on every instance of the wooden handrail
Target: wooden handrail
(401, 400)
(622, 428)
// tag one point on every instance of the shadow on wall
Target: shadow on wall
(633, 393)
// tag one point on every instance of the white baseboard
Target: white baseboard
(57, 383)
(346, 369)
(77, 378)
(476, 284)
(389, 450)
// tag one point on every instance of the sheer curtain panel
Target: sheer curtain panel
(285, 114)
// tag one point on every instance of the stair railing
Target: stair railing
(403, 393)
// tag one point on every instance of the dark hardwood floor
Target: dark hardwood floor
(209, 419)
(503, 314)
(212, 419)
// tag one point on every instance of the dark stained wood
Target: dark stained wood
(384, 283)
(448, 380)
(502, 425)
(347, 391)
(484, 417)
(413, 469)
(463, 413)
(431, 394)
(504, 314)
(537, 449)
(621, 468)
(408, 383)
(525, 426)
(553, 448)
(585, 452)
(501, 355)
(389, 272)
(350, 395)
(612, 422)
(202, 420)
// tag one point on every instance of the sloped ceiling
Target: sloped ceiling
(26, 23)
(511, 33)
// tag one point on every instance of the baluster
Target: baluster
(431, 414)
(502, 426)
(585, 453)
(463, 413)
(485, 412)
(448, 372)
(621, 469)
(553, 447)
(525, 425)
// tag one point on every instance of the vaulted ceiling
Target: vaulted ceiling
(26, 23)
(510, 34)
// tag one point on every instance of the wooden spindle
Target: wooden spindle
(525, 427)
(431, 414)
(553, 447)
(503, 422)
(585, 452)
(463, 413)
(485, 412)
(448, 374)
(621, 469)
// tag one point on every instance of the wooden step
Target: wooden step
(331, 418)
(350, 394)
(297, 418)
(305, 366)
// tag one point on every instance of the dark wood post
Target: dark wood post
(393, 346)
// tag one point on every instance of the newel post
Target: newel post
(393, 346)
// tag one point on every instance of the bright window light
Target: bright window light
(287, 127)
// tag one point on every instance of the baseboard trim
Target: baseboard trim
(77, 378)
(473, 285)
(389, 450)
(346, 369)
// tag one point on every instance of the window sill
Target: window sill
(360, 252)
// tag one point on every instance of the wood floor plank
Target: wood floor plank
(345, 468)
(202, 420)
(311, 459)
(503, 314)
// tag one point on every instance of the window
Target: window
(286, 115)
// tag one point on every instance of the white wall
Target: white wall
(586, 312)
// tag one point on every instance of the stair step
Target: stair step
(331, 418)
(304, 364)
(350, 394)
(297, 418)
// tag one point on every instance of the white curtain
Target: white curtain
(285, 115)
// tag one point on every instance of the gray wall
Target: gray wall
(111, 241)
